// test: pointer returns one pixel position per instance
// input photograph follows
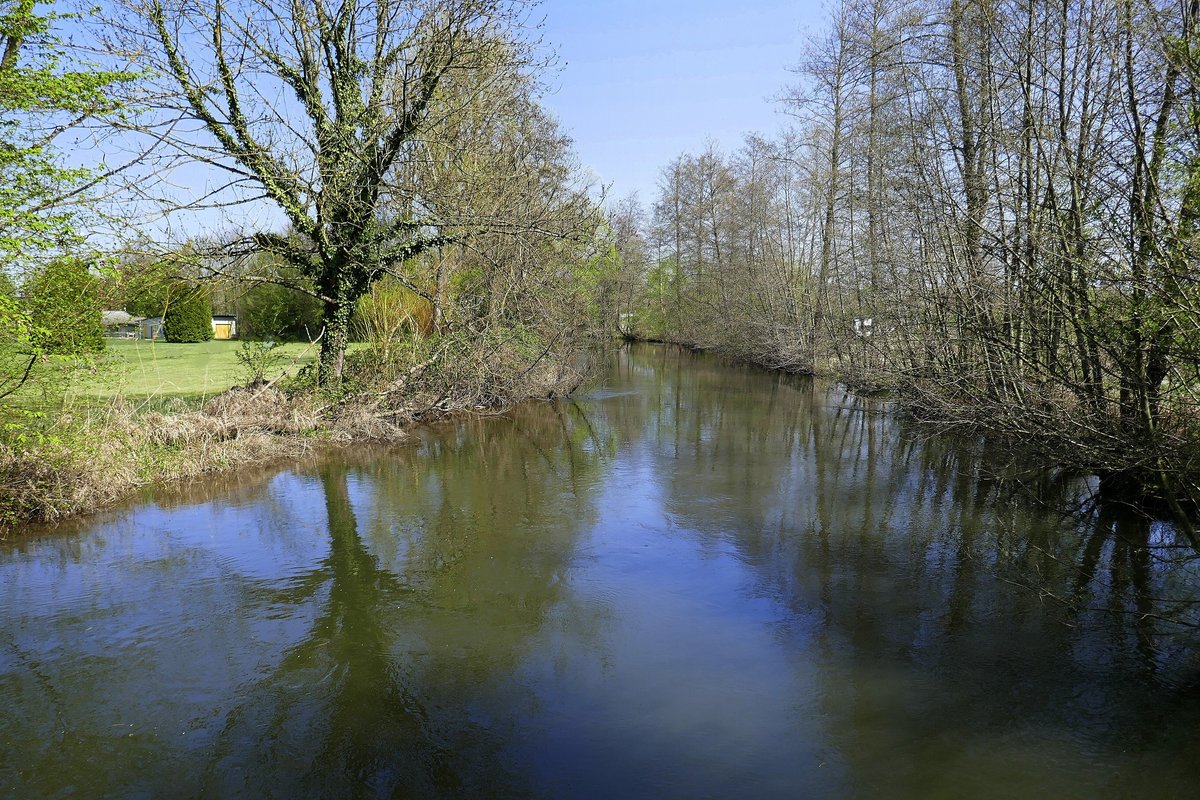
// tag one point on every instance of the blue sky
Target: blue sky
(642, 81)
(638, 82)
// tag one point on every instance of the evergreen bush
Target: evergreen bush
(189, 314)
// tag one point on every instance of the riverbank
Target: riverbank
(91, 457)
(777, 361)
(1047, 431)
(572, 577)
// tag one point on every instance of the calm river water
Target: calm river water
(695, 580)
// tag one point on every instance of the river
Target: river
(692, 580)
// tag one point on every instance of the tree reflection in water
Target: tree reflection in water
(696, 579)
(394, 691)
(336, 718)
(942, 581)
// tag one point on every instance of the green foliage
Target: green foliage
(269, 311)
(652, 315)
(31, 377)
(63, 300)
(147, 291)
(391, 313)
(147, 301)
(39, 90)
(37, 87)
(257, 359)
(189, 314)
(15, 324)
(595, 277)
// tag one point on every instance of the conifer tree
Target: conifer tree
(189, 314)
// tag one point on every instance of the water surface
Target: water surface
(694, 580)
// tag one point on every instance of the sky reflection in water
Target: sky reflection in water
(695, 581)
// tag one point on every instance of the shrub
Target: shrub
(63, 302)
(259, 358)
(268, 311)
(189, 314)
(390, 314)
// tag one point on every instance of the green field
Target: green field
(146, 369)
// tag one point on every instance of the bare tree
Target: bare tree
(989, 207)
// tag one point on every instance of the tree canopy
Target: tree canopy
(44, 93)
(329, 112)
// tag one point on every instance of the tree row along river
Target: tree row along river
(691, 580)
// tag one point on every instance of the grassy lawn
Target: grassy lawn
(144, 369)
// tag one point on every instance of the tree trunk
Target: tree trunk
(342, 291)
(333, 345)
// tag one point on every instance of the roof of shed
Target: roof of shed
(118, 318)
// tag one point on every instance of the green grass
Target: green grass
(145, 369)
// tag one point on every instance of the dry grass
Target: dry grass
(106, 454)
(94, 458)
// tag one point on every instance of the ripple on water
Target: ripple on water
(696, 581)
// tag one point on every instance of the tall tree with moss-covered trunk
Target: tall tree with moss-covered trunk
(319, 108)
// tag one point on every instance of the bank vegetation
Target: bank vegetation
(423, 201)
(987, 207)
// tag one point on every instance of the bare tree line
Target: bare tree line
(986, 206)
